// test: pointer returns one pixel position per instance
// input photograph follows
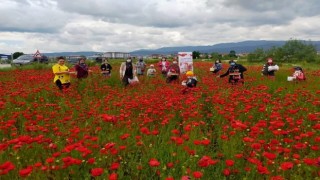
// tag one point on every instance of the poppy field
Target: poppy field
(97, 129)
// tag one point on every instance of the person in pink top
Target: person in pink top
(164, 66)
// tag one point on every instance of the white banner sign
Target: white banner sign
(185, 61)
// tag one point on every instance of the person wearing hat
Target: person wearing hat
(235, 72)
(298, 74)
(269, 68)
(151, 71)
(190, 82)
(61, 74)
(82, 69)
(106, 68)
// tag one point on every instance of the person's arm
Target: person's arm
(242, 68)
(110, 67)
(121, 70)
(134, 69)
(225, 74)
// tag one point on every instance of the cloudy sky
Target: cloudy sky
(127, 25)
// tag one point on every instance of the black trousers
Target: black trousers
(172, 78)
(62, 86)
(125, 80)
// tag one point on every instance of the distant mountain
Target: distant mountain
(239, 47)
(82, 53)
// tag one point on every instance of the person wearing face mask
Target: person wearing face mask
(235, 72)
(163, 66)
(216, 67)
(269, 68)
(82, 69)
(105, 68)
(127, 71)
(141, 66)
(173, 72)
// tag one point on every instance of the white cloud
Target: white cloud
(108, 25)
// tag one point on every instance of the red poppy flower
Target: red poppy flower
(114, 166)
(270, 156)
(229, 162)
(25, 172)
(197, 174)
(96, 172)
(170, 165)
(226, 172)
(154, 162)
(286, 165)
(113, 176)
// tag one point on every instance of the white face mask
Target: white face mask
(128, 60)
(174, 62)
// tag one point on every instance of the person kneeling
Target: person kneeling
(190, 82)
(297, 75)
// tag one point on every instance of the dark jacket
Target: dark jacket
(232, 69)
(106, 67)
(191, 82)
(82, 70)
(265, 70)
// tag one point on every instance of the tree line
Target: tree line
(292, 51)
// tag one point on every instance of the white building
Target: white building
(115, 55)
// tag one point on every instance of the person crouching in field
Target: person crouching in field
(216, 67)
(235, 72)
(61, 74)
(297, 75)
(105, 68)
(269, 68)
(82, 69)
(190, 82)
(173, 72)
(151, 71)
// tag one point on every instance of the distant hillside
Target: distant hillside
(83, 53)
(239, 47)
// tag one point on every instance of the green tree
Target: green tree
(17, 54)
(291, 51)
(256, 56)
(216, 56)
(232, 53)
(297, 50)
(195, 54)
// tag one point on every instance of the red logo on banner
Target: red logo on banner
(184, 54)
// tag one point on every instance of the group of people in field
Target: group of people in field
(235, 71)
(129, 72)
